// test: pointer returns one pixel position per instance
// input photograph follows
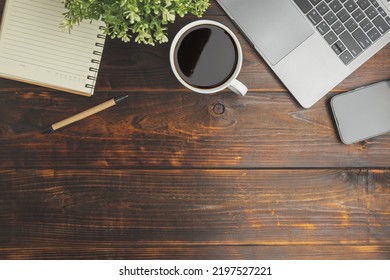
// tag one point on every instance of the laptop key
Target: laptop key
(330, 17)
(304, 5)
(350, 5)
(335, 5)
(382, 12)
(338, 47)
(371, 12)
(358, 15)
(351, 25)
(322, 8)
(366, 24)
(330, 37)
(375, 3)
(361, 38)
(363, 4)
(338, 27)
(323, 28)
(374, 34)
(346, 57)
(380, 23)
(343, 15)
(350, 43)
(314, 17)
(388, 20)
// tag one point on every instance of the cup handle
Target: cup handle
(238, 88)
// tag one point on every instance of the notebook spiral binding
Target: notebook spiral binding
(94, 69)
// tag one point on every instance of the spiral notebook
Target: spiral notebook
(33, 49)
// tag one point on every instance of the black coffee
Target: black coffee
(206, 56)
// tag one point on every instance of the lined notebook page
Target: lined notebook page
(34, 49)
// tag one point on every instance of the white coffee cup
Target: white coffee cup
(231, 82)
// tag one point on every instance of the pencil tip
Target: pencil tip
(47, 130)
(121, 98)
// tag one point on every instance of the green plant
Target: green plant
(146, 19)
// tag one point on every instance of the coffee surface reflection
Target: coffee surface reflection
(206, 56)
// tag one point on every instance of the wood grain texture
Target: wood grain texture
(110, 213)
(178, 130)
(170, 174)
(200, 252)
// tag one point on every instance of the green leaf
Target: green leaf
(145, 19)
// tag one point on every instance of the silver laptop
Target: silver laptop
(312, 45)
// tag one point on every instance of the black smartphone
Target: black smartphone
(362, 113)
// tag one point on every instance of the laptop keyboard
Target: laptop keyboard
(349, 26)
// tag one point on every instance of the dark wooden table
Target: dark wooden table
(172, 174)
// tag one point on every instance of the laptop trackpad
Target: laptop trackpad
(275, 27)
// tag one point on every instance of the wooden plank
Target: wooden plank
(174, 252)
(133, 67)
(178, 130)
(342, 212)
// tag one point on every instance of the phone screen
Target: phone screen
(362, 113)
